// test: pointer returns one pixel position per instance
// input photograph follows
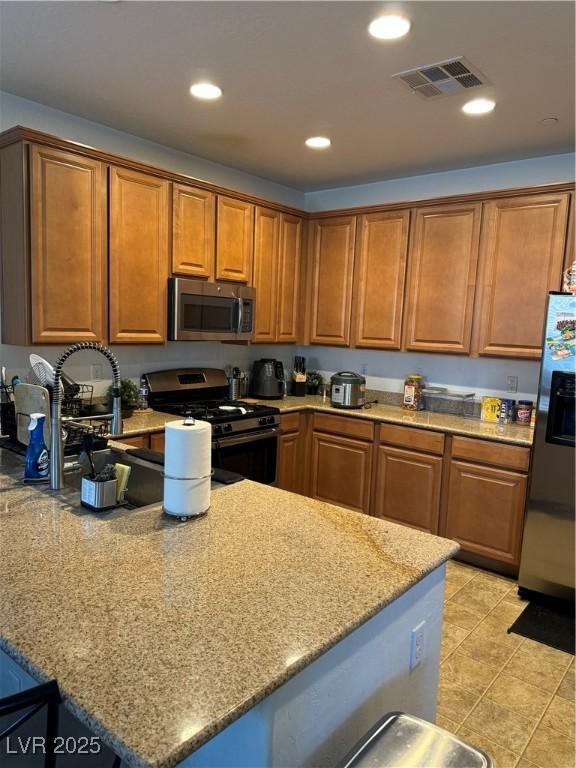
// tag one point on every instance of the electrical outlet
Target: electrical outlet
(511, 383)
(364, 369)
(96, 372)
(417, 645)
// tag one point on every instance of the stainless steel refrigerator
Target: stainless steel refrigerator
(547, 564)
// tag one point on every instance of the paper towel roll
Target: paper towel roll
(187, 467)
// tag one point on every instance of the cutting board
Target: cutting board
(29, 398)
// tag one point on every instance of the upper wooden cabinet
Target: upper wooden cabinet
(379, 273)
(442, 278)
(234, 240)
(139, 206)
(193, 231)
(288, 310)
(277, 258)
(68, 247)
(521, 257)
(266, 254)
(332, 244)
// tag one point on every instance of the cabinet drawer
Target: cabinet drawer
(408, 437)
(290, 422)
(490, 452)
(344, 425)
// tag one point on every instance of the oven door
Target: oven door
(201, 311)
(251, 455)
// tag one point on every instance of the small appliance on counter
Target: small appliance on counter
(347, 390)
(267, 381)
(238, 384)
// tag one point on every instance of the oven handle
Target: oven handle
(251, 437)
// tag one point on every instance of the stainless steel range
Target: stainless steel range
(244, 435)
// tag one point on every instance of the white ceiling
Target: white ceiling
(295, 69)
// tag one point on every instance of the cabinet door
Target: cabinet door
(234, 240)
(522, 250)
(288, 309)
(379, 279)
(333, 264)
(266, 248)
(68, 247)
(290, 468)
(407, 488)
(193, 231)
(485, 511)
(138, 257)
(138, 441)
(157, 441)
(441, 278)
(341, 471)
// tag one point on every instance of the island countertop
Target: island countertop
(162, 633)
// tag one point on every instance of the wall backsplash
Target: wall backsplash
(385, 370)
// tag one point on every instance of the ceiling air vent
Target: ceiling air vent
(443, 78)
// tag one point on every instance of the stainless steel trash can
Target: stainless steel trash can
(404, 741)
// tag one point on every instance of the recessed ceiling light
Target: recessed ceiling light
(206, 91)
(389, 27)
(318, 142)
(478, 106)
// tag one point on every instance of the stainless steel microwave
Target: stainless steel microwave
(201, 311)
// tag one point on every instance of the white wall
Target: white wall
(551, 169)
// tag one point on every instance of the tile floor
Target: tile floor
(510, 696)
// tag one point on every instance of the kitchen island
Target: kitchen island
(272, 631)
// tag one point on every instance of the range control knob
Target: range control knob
(218, 430)
(270, 420)
(262, 420)
(227, 427)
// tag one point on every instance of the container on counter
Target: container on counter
(524, 411)
(413, 399)
(490, 409)
(507, 408)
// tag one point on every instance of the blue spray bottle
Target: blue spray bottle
(37, 461)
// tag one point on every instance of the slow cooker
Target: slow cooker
(347, 390)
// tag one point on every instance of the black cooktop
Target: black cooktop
(219, 411)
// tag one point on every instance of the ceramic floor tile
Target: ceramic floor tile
(500, 756)
(568, 686)
(525, 764)
(535, 670)
(486, 651)
(495, 583)
(512, 597)
(463, 617)
(477, 596)
(545, 652)
(455, 702)
(549, 748)
(444, 722)
(452, 636)
(560, 716)
(519, 696)
(496, 631)
(467, 672)
(500, 725)
(506, 613)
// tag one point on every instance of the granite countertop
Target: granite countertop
(162, 633)
(443, 422)
(516, 434)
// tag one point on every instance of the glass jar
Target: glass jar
(413, 386)
(524, 411)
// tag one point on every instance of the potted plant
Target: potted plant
(128, 396)
(313, 382)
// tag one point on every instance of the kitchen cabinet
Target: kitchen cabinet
(441, 279)
(53, 240)
(139, 246)
(379, 275)
(266, 277)
(277, 258)
(193, 231)
(291, 469)
(332, 255)
(136, 441)
(407, 487)
(157, 441)
(521, 257)
(341, 466)
(234, 240)
(485, 511)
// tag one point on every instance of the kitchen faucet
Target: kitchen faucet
(56, 448)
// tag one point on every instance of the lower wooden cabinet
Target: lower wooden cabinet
(407, 487)
(154, 441)
(157, 440)
(291, 467)
(485, 511)
(341, 470)
(137, 441)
